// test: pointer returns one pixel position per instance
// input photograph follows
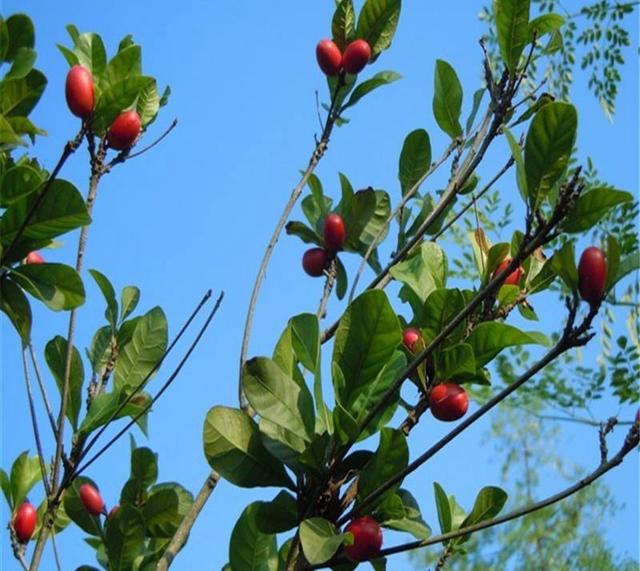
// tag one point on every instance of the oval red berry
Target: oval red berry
(334, 232)
(24, 521)
(514, 277)
(410, 337)
(448, 401)
(367, 538)
(314, 261)
(34, 258)
(79, 91)
(91, 499)
(356, 56)
(124, 130)
(592, 274)
(329, 57)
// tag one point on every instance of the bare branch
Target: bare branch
(43, 390)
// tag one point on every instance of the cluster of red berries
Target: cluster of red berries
(316, 260)
(592, 274)
(332, 61)
(448, 401)
(80, 94)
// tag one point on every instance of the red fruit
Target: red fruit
(124, 130)
(592, 274)
(410, 337)
(514, 277)
(79, 91)
(24, 522)
(34, 258)
(314, 261)
(91, 499)
(334, 232)
(356, 55)
(367, 538)
(329, 57)
(448, 401)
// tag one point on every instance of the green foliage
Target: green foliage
(249, 548)
(512, 22)
(447, 99)
(319, 539)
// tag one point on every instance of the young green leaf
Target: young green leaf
(249, 548)
(343, 24)
(377, 23)
(512, 23)
(320, 540)
(55, 354)
(15, 305)
(58, 286)
(424, 271)
(278, 515)
(592, 206)
(400, 511)
(415, 159)
(447, 99)
(111, 313)
(25, 474)
(378, 80)
(443, 507)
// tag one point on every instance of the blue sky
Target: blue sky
(196, 213)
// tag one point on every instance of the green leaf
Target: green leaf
(477, 99)
(75, 509)
(489, 502)
(55, 354)
(592, 206)
(100, 349)
(148, 104)
(160, 513)
(377, 23)
(129, 299)
(543, 25)
(516, 152)
(443, 507)
(25, 474)
(320, 540)
(278, 398)
(23, 64)
(390, 458)
(415, 159)
(249, 548)
(9, 139)
(282, 443)
(346, 427)
(140, 355)
(342, 281)
(378, 80)
(126, 63)
(58, 286)
(424, 271)
(144, 467)
(367, 337)
(19, 95)
(496, 255)
(489, 338)
(400, 511)
(18, 182)
(447, 99)
(512, 23)
(91, 53)
(111, 313)
(302, 231)
(5, 485)
(457, 362)
(305, 330)
(20, 34)
(548, 147)
(124, 538)
(278, 515)
(105, 405)
(563, 264)
(440, 308)
(117, 98)
(629, 263)
(15, 305)
(61, 210)
(233, 447)
(343, 24)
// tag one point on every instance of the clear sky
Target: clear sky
(196, 213)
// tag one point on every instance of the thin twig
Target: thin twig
(182, 533)
(148, 406)
(631, 442)
(68, 150)
(54, 545)
(328, 287)
(34, 422)
(318, 153)
(43, 390)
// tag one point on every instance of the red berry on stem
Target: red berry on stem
(91, 499)
(124, 130)
(448, 401)
(329, 57)
(592, 274)
(314, 261)
(79, 91)
(356, 55)
(367, 539)
(514, 277)
(34, 258)
(24, 521)
(410, 337)
(334, 232)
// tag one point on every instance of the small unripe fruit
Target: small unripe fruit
(410, 337)
(356, 55)
(448, 401)
(91, 499)
(334, 232)
(113, 512)
(124, 130)
(514, 277)
(314, 261)
(329, 57)
(24, 521)
(34, 258)
(592, 274)
(367, 539)
(79, 91)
